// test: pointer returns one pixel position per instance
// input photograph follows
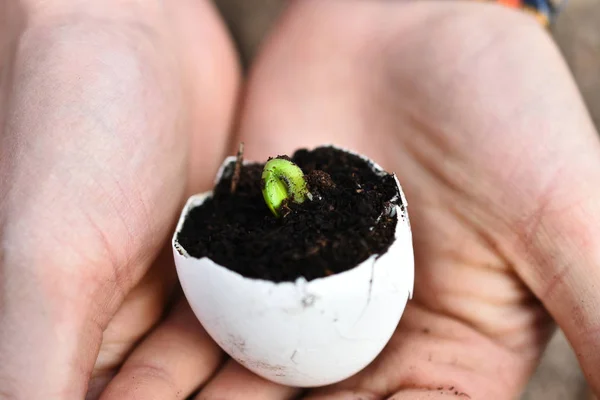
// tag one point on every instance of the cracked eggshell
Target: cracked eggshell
(302, 333)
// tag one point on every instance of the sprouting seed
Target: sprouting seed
(282, 180)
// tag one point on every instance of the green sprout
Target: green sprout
(283, 180)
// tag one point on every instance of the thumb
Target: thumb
(563, 245)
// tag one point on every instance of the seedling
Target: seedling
(283, 181)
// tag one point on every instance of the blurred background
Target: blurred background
(577, 32)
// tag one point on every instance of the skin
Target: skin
(470, 104)
(110, 112)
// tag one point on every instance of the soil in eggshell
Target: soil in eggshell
(346, 222)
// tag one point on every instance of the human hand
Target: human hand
(473, 108)
(111, 114)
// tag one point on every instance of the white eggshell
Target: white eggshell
(301, 333)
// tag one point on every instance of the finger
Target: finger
(141, 310)
(171, 363)
(234, 382)
(344, 395)
(408, 394)
(561, 244)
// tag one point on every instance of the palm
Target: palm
(464, 124)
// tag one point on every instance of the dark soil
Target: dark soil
(330, 234)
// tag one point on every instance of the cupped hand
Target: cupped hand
(473, 108)
(111, 113)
